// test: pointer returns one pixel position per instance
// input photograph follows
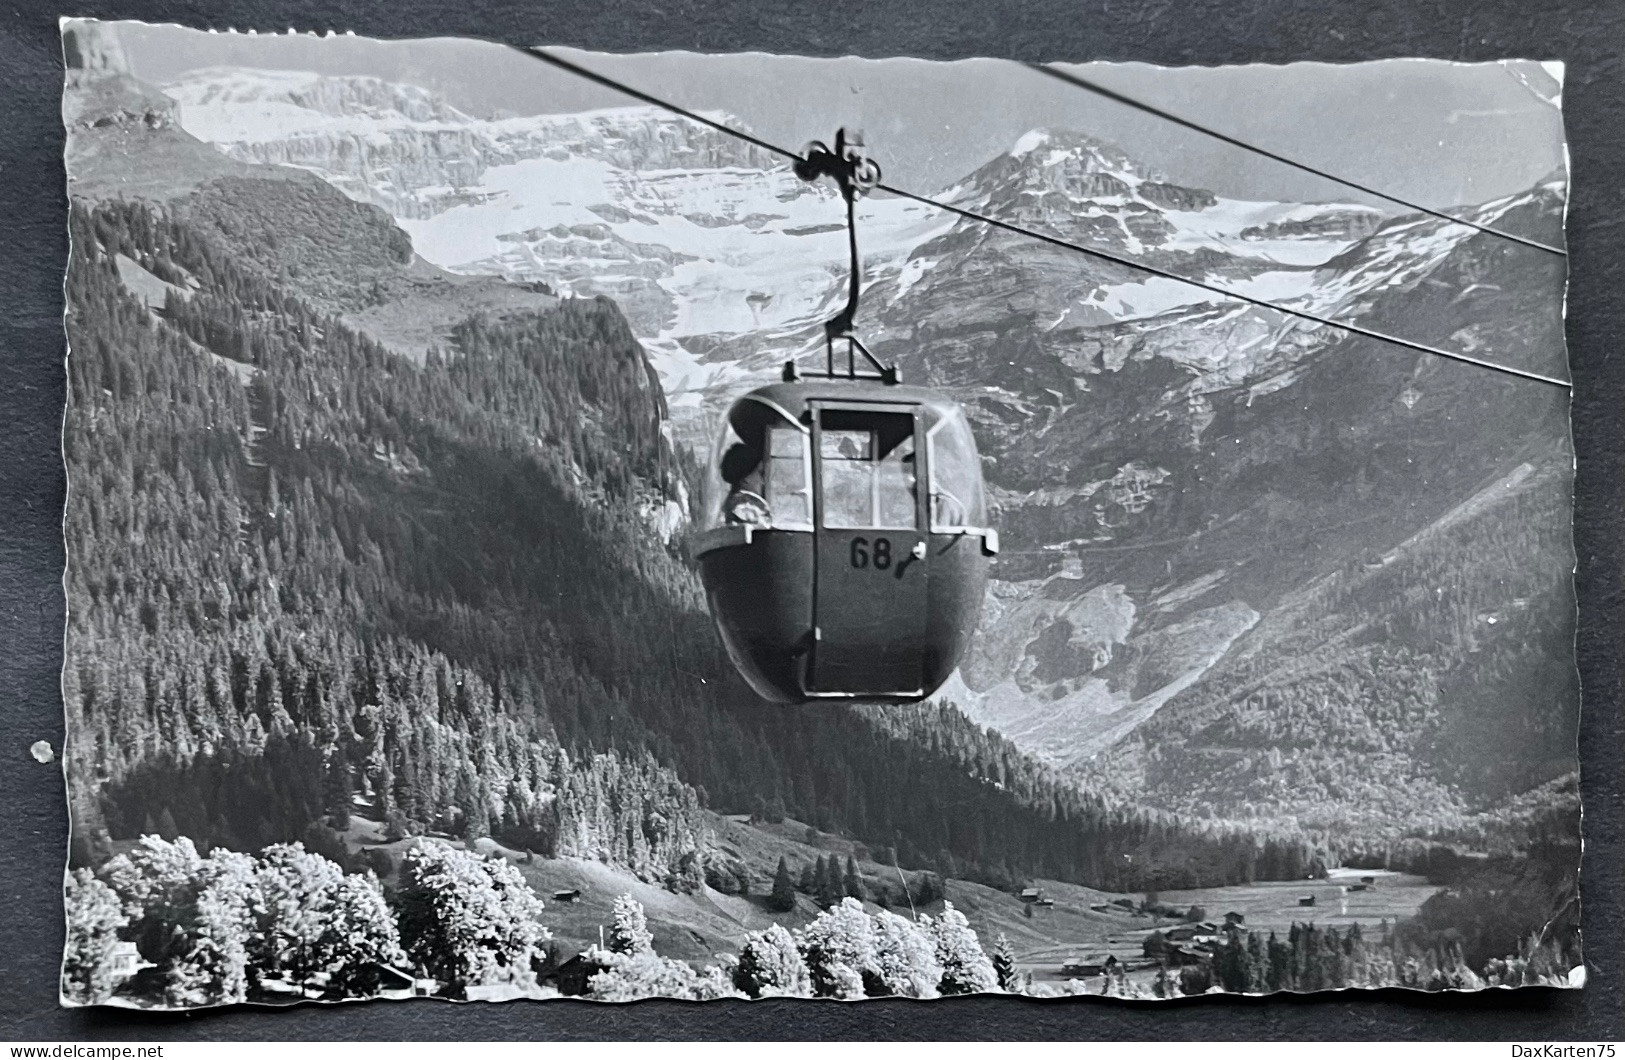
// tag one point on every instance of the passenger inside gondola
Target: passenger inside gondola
(742, 471)
(947, 510)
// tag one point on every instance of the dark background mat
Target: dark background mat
(1590, 37)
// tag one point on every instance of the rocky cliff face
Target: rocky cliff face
(91, 50)
(99, 93)
(403, 148)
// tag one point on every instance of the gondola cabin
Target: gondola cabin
(844, 545)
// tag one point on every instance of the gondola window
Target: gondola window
(868, 476)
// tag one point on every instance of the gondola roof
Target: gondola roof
(793, 398)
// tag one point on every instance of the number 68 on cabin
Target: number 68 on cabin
(845, 545)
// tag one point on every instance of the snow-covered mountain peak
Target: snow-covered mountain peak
(1050, 147)
(1057, 161)
(1067, 183)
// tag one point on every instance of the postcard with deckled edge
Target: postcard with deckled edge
(552, 523)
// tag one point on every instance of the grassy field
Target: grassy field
(1274, 906)
(1268, 906)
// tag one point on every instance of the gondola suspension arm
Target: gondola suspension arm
(855, 174)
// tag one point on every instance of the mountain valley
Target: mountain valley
(1191, 489)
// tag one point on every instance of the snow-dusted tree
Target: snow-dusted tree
(629, 933)
(770, 965)
(317, 919)
(466, 920)
(632, 977)
(297, 888)
(905, 959)
(157, 880)
(965, 968)
(95, 917)
(1004, 965)
(194, 917)
(844, 983)
(360, 936)
(633, 970)
(1070, 988)
(214, 968)
(714, 982)
(839, 947)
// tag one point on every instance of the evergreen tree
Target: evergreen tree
(1280, 975)
(1230, 965)
(834, 883)
(1004, 964)
(853, 883)
(1257, 964)
(782, 899)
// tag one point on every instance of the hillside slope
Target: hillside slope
(126, 141)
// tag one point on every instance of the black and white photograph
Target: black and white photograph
(551, 523)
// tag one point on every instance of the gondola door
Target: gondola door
(872, 554)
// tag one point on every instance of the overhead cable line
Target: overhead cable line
(1147, 108)
(1104, 255)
